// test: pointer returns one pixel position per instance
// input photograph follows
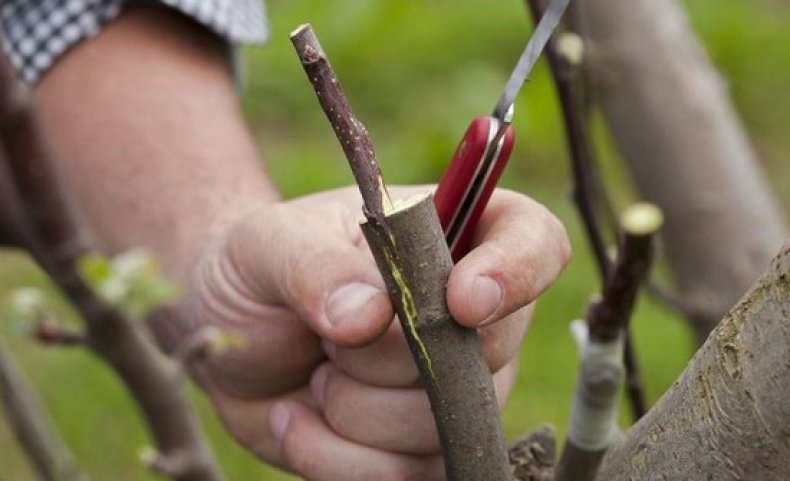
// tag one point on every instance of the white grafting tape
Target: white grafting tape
(593, 424)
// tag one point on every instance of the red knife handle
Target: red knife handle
(470, 179)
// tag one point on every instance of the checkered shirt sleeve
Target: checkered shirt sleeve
(35, 33)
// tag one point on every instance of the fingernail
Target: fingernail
(318, 383)
(487, 297)
(279, 418)
(347, 301)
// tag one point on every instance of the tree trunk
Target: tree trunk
(727, 416)
(671, 118)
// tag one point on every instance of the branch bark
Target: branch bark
(671, 118)
(727, 416)
(51, 231)
(412, 255)
(34, 430)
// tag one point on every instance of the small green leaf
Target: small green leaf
(94, 268)
(131, 282)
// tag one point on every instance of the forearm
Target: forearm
(147, 128)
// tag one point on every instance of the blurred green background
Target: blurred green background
(416, 72)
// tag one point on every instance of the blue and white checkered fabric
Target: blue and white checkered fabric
(37, 32)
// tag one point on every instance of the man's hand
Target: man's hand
(326, 386)
(151, 140)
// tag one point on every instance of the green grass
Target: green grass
(416, 72)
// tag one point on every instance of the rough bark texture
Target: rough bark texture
(48, 456)
(727, 417)
(671, 118)
(532, 456)
(415, 262)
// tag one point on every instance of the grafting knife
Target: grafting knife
(480, 158)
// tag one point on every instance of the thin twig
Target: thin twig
(634, 388)
(609, 317)
(350, 132)
(34, 430)
(587, 188)
(52, 232)
(564, 73)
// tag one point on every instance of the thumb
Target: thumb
(304, 258)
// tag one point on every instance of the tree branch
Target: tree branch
(350, 132)
(412, 255)
(53, 235)
(34, 430)
(564, 72)
(593, 425)
(10, 216)
(727, 415)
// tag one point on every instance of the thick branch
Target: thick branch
(727, 416)
(39, 439)
(412, 255)
(53, 235)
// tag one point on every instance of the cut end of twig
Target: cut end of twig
(642, 219)
(307, 45)
(571, 46)
(399, 205)
(298, 30)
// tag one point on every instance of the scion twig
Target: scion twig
(350, 132)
